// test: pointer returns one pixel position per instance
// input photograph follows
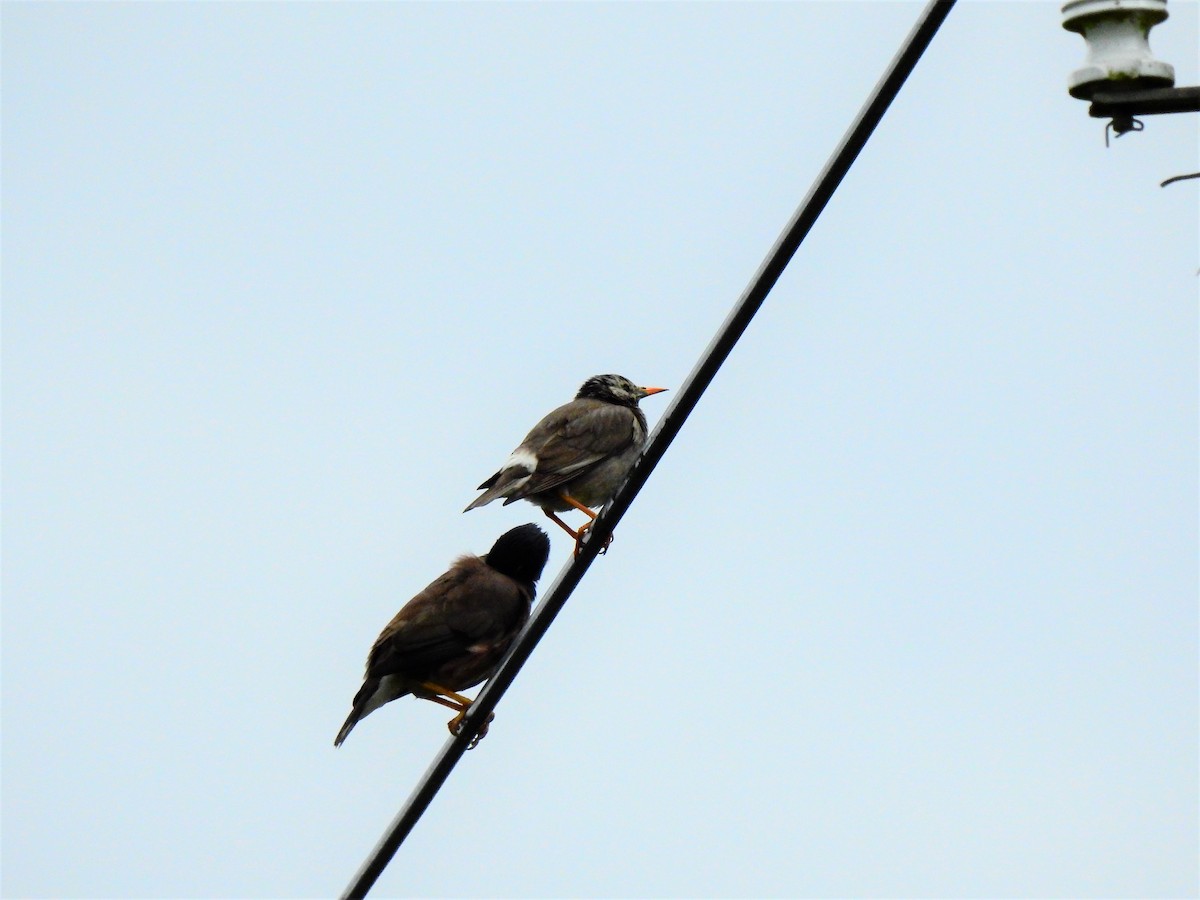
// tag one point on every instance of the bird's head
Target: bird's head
(520, 553)
(615, 389)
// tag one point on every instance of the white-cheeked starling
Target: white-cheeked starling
(578, 455)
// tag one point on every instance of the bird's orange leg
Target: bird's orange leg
(432, 691)
(454, 700)
(567, 498)
(563, 525)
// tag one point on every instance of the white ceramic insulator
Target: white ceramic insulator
(1117, 33)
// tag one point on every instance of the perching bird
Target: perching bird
(578, 455)
(453, 634)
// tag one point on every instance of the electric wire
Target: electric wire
(839, 163)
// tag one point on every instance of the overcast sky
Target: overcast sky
(908, 610)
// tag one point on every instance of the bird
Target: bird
(453, 634)
(578, 455)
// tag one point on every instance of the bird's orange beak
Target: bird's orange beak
(648, 391)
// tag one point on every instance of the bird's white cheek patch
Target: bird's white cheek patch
(523, 460)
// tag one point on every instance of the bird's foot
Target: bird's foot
(455, 726)
(579, 540)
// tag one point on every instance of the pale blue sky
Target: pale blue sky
(908, 610)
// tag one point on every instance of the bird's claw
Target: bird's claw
(583, 529)
(455, 725)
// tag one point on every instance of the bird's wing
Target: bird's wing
(579, 443)
(469, 604)
(566, 442)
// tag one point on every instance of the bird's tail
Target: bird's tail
(351, 721)
(359, 710)
(494, 491)
(483, 500)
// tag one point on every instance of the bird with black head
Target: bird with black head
(452, 635)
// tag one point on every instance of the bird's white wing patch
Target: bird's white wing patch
(521, 459)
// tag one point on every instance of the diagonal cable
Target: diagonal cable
(802, 221)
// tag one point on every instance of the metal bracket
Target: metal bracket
(1115, 104)
(1121, 106)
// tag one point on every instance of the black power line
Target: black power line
(672, 421)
